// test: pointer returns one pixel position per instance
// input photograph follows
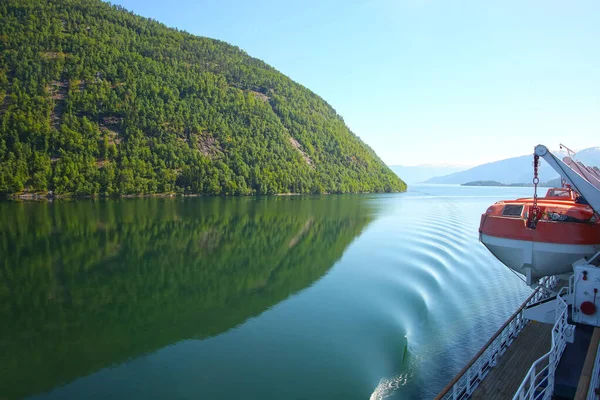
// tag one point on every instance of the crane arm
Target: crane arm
(577, 182)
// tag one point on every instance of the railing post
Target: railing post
(489, 355)
(551, 370)
(532, 384)
(468, 382)
(520, 320)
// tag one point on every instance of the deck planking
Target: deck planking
(504, 379)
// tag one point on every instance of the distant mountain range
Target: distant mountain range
(420, 173)
(514, 170)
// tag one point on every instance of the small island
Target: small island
(551, 183)
(496, 183)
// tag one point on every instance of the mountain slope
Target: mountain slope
(589, 156)
(97, 101)
(420, 173)
(515, 170)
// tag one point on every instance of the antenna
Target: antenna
(570, 152)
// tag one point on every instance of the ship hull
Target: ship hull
(537, 259)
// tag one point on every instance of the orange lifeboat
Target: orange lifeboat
(541, 239)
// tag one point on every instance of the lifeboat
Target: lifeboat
(541, 238)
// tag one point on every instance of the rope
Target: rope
(518, 276)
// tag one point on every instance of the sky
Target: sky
(425, 81)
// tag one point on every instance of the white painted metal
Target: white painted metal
(582, 170)
(544, 312)
(537, 258)
(586, 288)
(591, 171)
(578, 182)
(539, 381)
(468, 382)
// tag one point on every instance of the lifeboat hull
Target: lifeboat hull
(561, 231)
(537, 259)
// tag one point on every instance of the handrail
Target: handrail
(552, 356)
(535, 296)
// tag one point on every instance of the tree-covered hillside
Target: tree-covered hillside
(97, 101)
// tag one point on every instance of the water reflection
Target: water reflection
(92, 284)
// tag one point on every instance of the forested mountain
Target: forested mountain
(95, 100)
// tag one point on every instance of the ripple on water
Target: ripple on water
(458, 292)
(405, 299)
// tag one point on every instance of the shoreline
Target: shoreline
(49, 196)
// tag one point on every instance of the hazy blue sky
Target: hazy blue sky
(424, 81)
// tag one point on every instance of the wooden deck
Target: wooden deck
(588, 366)
(505, 378)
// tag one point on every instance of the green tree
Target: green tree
(170, 111)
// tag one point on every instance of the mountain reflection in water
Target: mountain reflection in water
(382, 296)
(91, 284)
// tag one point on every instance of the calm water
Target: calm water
(333, 297)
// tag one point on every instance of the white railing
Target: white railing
(595, 379)
(466, 381)
(539, 381)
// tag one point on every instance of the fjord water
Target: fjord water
(330, 297)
